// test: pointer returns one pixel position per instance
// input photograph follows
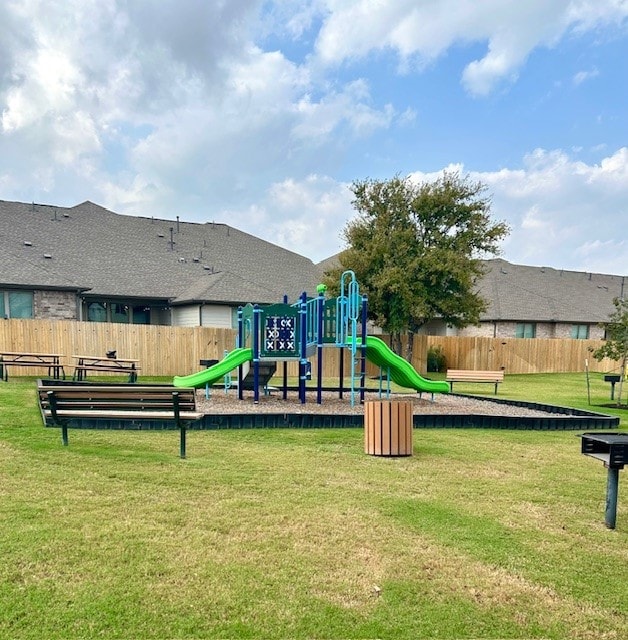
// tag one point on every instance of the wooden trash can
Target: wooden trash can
(388, 428)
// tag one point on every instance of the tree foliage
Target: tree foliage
(616, 345)
(417, 250)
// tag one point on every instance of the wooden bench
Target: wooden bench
(105, 365)
(84, 405)
(467, 375)
(50, 361)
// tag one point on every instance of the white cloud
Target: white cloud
(151, 109)
(583, 76)
(306, 216)
(320, 119)
(139, 93)
(423, 31)
(564, 212)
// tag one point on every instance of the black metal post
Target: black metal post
(612, 489)
(180, 424)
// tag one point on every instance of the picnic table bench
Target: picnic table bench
(50, 361)
(468, 375)
(87, 405)
(104, 365)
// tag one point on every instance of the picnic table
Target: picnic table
(50, 361)
(104, 364)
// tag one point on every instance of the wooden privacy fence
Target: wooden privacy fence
(517, 355)
(169, 351)
(160, 350)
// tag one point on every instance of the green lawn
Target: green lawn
(299, 534)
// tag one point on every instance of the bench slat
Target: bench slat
(55, 367)
(118, 387)
(470, 374)
(114, 407)
(98, 367)
(131, 415)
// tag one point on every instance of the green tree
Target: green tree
(616, 345)
(417, 250)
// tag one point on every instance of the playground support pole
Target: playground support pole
(303, 359)
(285, 365)
(363, 350)
(341, 371)
(319, 375)
(240, 345)
(256, 330)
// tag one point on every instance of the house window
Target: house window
(141, 315)
(119, 312)
(16, 304)
(97, 312)
(580, 331)
(525, 330)
(109, 311)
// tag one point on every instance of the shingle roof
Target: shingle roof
(226, 287)
(19, 270)
(541, 294)
(128, 256)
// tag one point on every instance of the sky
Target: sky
(261, 114)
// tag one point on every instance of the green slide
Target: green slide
(401, 371)
(232, 360)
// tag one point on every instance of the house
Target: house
(541, 302)
(88, 263)
(536, 302)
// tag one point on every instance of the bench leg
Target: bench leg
(57, 371)
(182, 443)
(180, 423)
(64, 434)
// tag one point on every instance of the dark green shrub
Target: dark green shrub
(436, 360)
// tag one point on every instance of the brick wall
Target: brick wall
(543, 330)
(54, 305)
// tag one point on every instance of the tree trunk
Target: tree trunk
(410, 346)
(395, 342)
(624, 364)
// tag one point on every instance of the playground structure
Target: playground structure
(295, 332)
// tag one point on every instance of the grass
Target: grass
(298, 534)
